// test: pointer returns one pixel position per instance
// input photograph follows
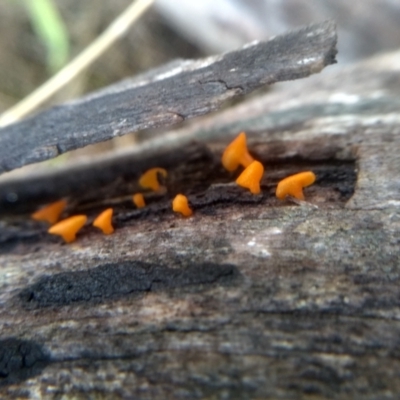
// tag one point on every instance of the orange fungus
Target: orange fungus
(293, 185)
(250, 178)
(236, 154)
(180, 204)
(50, 213)
(68, 228)
(149, 180)
(104, 221)
(138, 200)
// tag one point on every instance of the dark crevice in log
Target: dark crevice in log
(106, 179)
(193, 169)
(207, 188)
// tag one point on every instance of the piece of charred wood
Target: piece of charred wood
(167, 96)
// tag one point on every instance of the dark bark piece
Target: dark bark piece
(164, 98)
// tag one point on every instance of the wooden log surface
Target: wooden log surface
(251, 297)
(167, 95)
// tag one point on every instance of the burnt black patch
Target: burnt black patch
(111, 281)
(20, 360)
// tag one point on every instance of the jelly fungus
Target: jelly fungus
(103, 221)
(236, 154)
(138, 200)
(180, 204)
(50, 213)
(68, 228)
(149, 180)
(293, 185)
(250, 178)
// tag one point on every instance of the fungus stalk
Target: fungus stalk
(50, 213)
(104, 221)
(138, 200)
(236, 154)
(293, 185)
(250, 178)
(149, 180)
(68, 228)
(180, 204)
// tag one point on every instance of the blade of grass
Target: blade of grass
(50, 28)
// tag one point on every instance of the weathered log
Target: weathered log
(167, 96)
(252, 297)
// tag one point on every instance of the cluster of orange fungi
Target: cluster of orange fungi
(235, 155)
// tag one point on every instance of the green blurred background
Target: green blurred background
(37, 37)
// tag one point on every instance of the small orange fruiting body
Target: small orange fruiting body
(104, 221)
(68, 228)
(236, 154)
(138, 200)
(180, 204)
(250, 178)
(50, 213)
(149, 180)
(293, 185)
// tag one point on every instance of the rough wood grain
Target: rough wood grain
(167, 96)
(251, 297)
